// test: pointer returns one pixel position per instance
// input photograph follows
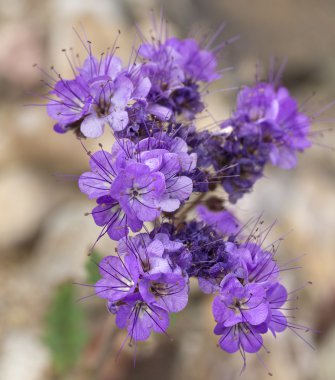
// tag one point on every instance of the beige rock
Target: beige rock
(24, 203)
(62, 252)
(20, 49)
(24, 348)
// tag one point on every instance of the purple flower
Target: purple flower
(108, 67)
(101, 93)
(174, 250)
(113, 98)
(97, 183)
(158, 159)
(136, 182)
(110, 99)
(175, 67)
(199, 65)
(207, 257)
(75, 99)
(171, 144)
(149, 254)
(140, 319)
(142, 285)
(70, 105)
(110, 215)
(138, 191)
(266, 127)
(169, 291)
(177, 188)
(187, 101)
(119, 277)
(244, 155)
(256, 105)
(276, 321)
(141, 82)
(241, 312)
(293, 130)
(240, 337)
(273, 114)
(162, 65)
(240, 304)
(259, 264)
(223, 222)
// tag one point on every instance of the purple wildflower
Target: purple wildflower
(259, 264)
(276, 322)
(140, 319)
(108, 66)
(240, 337)
(115, 222)
(108, 106)
(97, 183)
(223, 221)
(119, 277)
(273, 115)
(240, 312)
(149, 254)
(142, 285)
(198, 64)
(101, 93)
(266, 127)
(71, 104)
(209, 259)
(157, 161)
(169, 291)
(240, 304)
(175, 68)
(136, 182)
(138, 191)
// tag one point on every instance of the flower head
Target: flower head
(237, 303)
(140, 318)
(101, 93)
(175, 68)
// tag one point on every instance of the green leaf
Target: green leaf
(66, 333)
(92, 268)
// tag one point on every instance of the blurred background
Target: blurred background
(44, 235)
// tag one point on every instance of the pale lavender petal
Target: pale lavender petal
(92, 126)
(93, 185)
(162, 113)
(118, 120)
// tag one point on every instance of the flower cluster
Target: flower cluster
(162, 86)
(136, 182)
(249, 300)
(160, 167)
(266, 127)
(142, 285)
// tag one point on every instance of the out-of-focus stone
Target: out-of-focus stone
(20, 48)
(60, 255)
(24, 348)
(27, 136)
(24, 202)
(62, 252)
(326, 363)
(98, 22)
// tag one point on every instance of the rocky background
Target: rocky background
(45, 237)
